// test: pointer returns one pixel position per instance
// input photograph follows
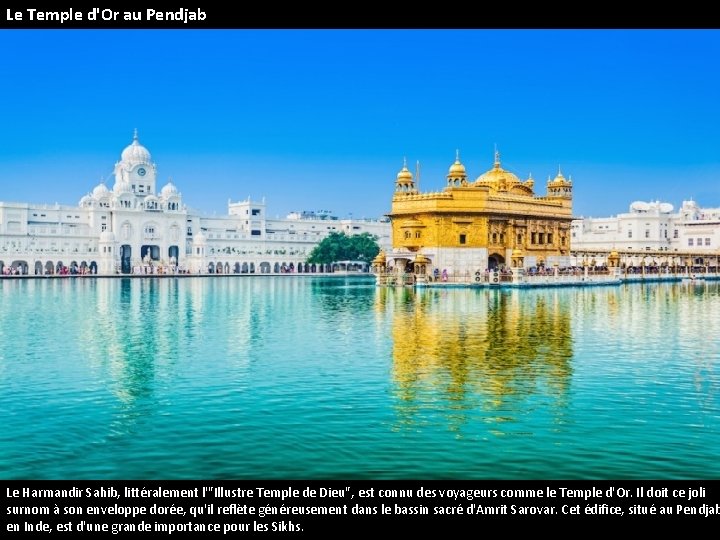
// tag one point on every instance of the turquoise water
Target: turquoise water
(320, 378)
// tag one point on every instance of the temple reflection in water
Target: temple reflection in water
(485, 355)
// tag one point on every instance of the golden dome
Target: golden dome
(404, 175)
(379, 258)
(559, 179)
(516, 253)
(421, 259)
(497, 175)
(457, 168)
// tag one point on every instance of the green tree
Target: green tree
(338, 246)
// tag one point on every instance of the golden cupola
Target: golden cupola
(560, 186)
(530, 182)
(497, 178)
(457, 176)
(404, 182)
(379, 261)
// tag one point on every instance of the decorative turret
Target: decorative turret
(613, 259)
(198, 261)
(378, 264)
(516, 258)
(456, 175)
(530, 182)
(106, 246)
(560, 187)
(404, 182)
(171, 196)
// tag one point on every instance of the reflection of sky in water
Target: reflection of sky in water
(306, 377)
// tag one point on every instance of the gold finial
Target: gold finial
(405, 162)
(497, 157)
(457, 154)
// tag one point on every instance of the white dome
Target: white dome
(151, 198)
(135, 152)
(122, 186)
(86, 200)
(639, 206)
(168, 190)
(666, 208)
(107, 236)
(100, 190)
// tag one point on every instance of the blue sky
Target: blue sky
(322, 119)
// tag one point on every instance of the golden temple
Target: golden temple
(493, 223)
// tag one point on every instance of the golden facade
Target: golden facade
(495, 221)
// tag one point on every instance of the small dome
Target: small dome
(559, 179)
(151, 198)
(101, 190)
(168, 190)
(421, 259)
(135, 152)
(107, 236)
(122, 186)
(380, 258)
(86, 200)
(457, 168)
(404, 175)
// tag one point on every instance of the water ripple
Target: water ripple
(283, 377)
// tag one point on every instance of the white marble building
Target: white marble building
(651, 226)
(132, 227)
